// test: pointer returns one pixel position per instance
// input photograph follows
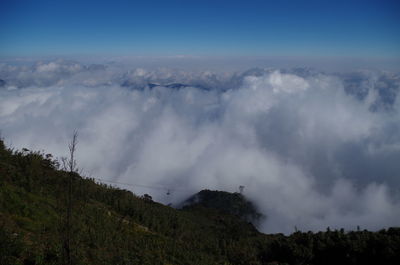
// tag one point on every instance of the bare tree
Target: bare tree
(70, 165)
(72, 148)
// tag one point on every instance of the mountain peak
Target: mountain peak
(229, 203)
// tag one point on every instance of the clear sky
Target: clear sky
(285, 28)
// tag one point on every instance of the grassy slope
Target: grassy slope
(109, 226)
(113, 226)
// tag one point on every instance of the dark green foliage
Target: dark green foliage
(230, 203)
(113, 226)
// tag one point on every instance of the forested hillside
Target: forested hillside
(53, 216)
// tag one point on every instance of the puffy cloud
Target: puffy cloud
(310, 148)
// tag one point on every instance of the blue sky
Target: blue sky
(223, 28)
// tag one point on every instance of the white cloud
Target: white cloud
(309, 153)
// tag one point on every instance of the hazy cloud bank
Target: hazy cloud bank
(312, 149)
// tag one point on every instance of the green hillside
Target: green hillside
(50, 216)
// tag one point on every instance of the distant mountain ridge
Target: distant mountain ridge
(172, 85)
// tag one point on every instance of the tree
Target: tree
(71, 165)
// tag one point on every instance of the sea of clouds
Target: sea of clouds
(312, 149)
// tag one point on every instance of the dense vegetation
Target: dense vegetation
(113, 226)
(225, 202)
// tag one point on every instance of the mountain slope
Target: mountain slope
(114, 226)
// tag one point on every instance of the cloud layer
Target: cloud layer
(313, 150)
